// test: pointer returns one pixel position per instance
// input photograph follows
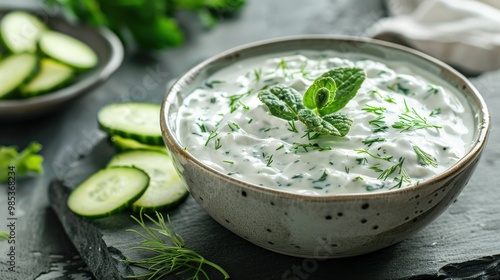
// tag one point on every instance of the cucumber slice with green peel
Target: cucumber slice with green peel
(20, 31)
(51, 76)
(165, 190)
(15, 70)
(125, 144)
(108, 191)
(67, 50)
(138, 121)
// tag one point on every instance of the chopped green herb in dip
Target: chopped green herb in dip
(406, 126)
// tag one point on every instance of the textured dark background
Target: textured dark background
(463, 243)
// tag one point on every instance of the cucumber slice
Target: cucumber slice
(51, 75)
(124, 144)
(138, 121)
(14, 71)
(20, 31)
(67, 50)
(108, 191)
(165, 190)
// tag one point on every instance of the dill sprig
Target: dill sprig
(425, 158)
(293, 128)
(210, 84)
(365, 151)
(435, 112)
(323, 177)
(374, 109)
(202, 126)
(313, 146)
(234, 100)
(311, 135)
(257, 74)
(303, 70)
(370, 141)
(379, 124)
(284, 68)
(387, 172)
(404, 177)
(269, 160)
(167, 258)
(212, 135)
(411, 120)
(233, 126)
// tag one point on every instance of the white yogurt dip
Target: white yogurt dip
(224, 124)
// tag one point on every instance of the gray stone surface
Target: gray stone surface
(461, 244)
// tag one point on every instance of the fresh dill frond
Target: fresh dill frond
(424, 158)
(365, 151)
(411, 120)
(167, 258)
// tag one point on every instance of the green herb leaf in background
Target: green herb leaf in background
(151, 23)
(26, 161)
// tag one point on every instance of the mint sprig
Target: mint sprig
(316, 109)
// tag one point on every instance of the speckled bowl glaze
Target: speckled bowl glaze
(322, 226)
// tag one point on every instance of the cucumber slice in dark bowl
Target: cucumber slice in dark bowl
(109, 51)
(68, 50)
(19, 31)
(16, 69)
(51, 76)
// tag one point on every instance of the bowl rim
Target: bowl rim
(467, 88)
(104, 70)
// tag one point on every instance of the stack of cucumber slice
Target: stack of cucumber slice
(140, 176)
(38, 60)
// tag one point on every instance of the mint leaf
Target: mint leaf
(341, 122)
(283, 102)
(333, 124)
(348, 81)
(320, 93)
(26, 161)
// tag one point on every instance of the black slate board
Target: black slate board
(430, 254)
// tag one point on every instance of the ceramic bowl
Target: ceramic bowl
(108, 48)
(327, 226)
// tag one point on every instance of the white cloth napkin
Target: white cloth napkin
(463, 33)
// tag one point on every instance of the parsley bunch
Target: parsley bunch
(151, 24)
(317, 108)
(24, 162)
